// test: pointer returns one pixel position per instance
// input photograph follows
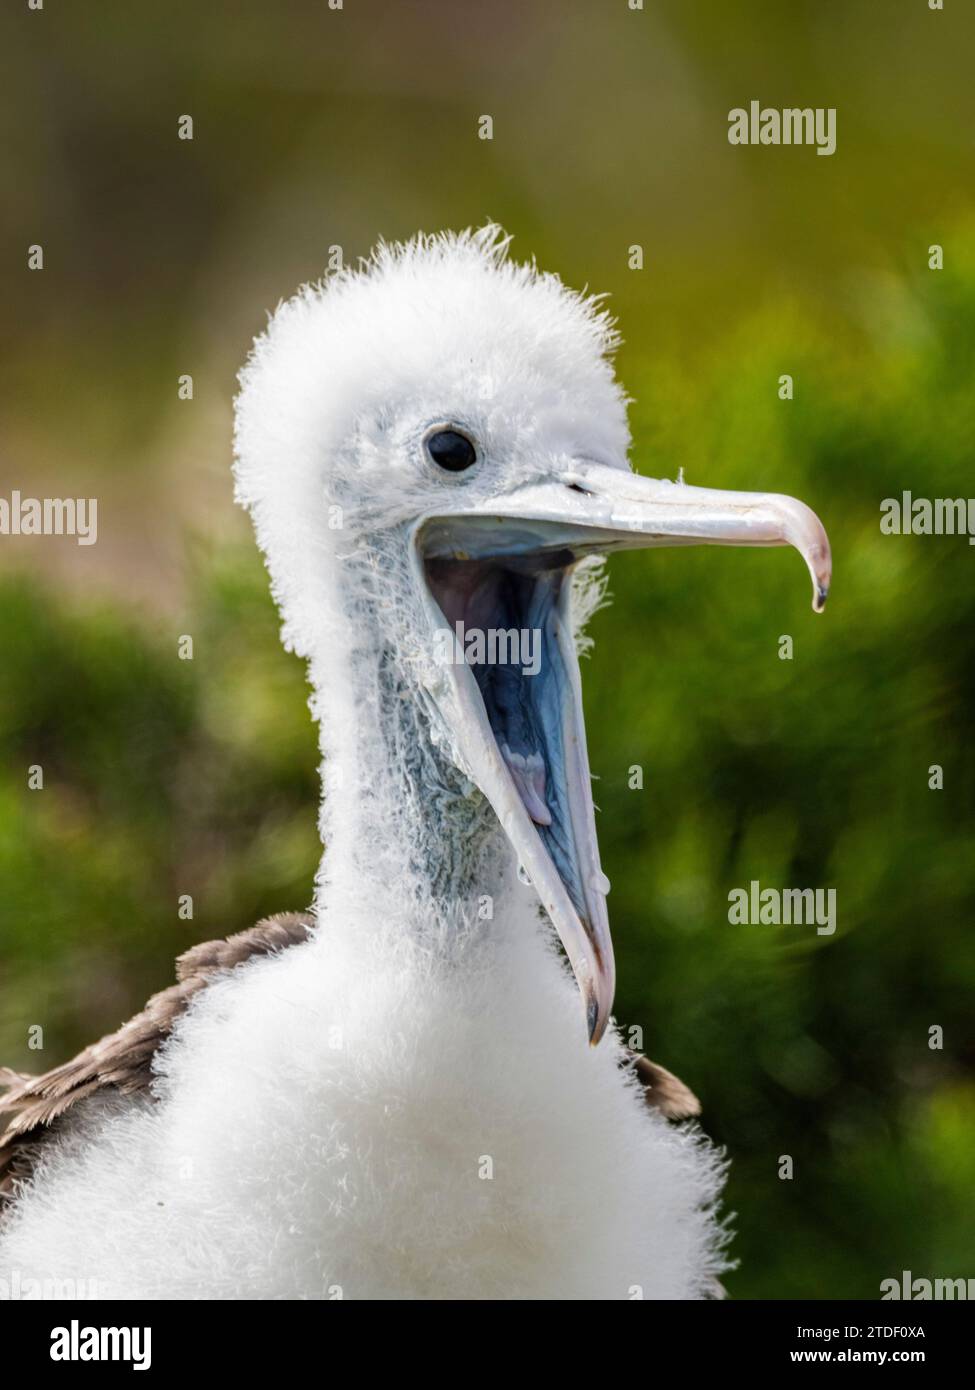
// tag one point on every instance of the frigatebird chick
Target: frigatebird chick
(396, 1094)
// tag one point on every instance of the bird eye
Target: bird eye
(451, 450)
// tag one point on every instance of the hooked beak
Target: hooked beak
(513, 701)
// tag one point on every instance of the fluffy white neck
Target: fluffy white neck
(399, 821)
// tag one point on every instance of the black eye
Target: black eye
(451, 450)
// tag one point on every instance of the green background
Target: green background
(315, 128)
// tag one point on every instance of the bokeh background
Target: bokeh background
(316, 128)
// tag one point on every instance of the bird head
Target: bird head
(444, 427)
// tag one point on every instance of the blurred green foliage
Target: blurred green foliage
(162, 777)
(165, 777)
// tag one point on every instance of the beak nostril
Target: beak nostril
(577, 487)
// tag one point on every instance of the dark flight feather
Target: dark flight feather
(662, 1090)
(123, 1059)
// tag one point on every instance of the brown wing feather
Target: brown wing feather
(123, 1059)
(662, 1089)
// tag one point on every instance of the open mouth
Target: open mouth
(503, 614)
(505, 617)
(496, 582)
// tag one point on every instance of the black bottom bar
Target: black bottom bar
(249, 1337)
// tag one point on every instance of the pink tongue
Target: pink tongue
(528, 775)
